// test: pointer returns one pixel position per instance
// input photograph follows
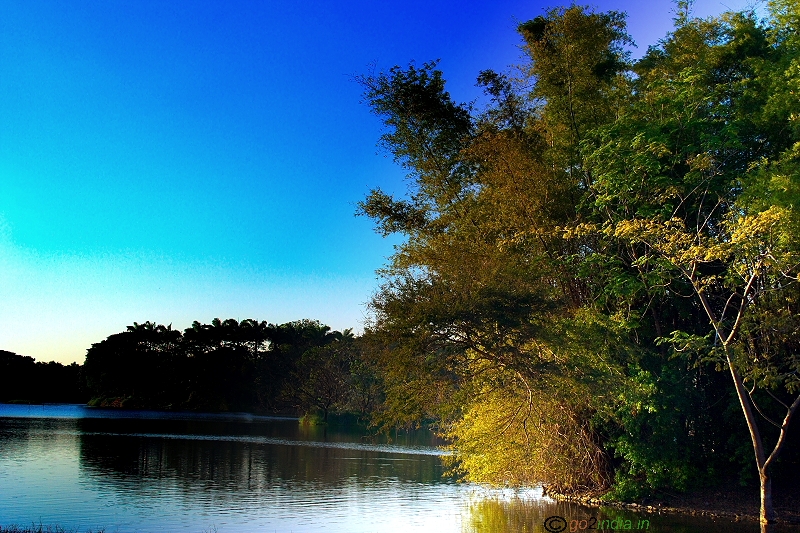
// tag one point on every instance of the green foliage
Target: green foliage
(566, 246)
(576, 57)
(321, 379)
(654, 455)
(426, 129)
(517, 436)
(313, 419)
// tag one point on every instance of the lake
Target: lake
(84, 468)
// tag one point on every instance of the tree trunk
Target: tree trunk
(767, 515)
(763, 462)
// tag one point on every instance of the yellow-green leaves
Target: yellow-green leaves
(516, 436)
(577, 251)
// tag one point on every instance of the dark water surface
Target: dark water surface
(85, 468)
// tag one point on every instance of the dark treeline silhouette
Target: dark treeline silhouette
(26, 381)
(297, 367)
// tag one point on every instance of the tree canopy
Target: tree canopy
(246, 365)
(581, 253)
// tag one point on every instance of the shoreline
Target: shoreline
(738, 503)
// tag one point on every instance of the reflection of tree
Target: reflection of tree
(495, 515)
(499, 515)
(231, 467)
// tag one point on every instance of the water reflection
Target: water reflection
(492, 514)
(148, 474)
(183, 472)
(243, 466)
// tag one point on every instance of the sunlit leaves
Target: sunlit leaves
(599, 223)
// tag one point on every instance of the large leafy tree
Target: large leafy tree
(552, 240)
(478, 307)
(700, 175)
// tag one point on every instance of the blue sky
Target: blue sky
(176, 161)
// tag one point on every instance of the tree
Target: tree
(592, 197)
(478, 301)
(137, 366)
(700, 174)
(322, 377)
(25, 380)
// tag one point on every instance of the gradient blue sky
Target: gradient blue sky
(177, 161)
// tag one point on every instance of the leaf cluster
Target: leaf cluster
(577, 253)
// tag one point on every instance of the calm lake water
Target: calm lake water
(84, 468)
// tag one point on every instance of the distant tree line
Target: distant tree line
(23, 380)
(298, 367)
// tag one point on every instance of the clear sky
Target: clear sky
(183, 160)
